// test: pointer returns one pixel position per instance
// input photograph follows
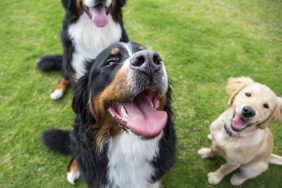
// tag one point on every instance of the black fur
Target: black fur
(93, 161)
(50, 63)
(57, 140)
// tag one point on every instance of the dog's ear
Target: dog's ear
(72, 8)
(234, 85)
(122, 2)
(80, 99)
(65, 3)
(277, 114)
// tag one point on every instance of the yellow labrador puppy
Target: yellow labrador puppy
(240, 134)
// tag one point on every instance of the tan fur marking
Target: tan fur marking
(142, 48)
(116, 91)
(63, 85)
(79, 5)
(73, 166)
(114, 51)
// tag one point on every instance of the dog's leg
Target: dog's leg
(60, 89)
(205, 153)
(248, 171)
(73, 173)
(219, 174)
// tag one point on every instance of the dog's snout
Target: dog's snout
(146, 61)
(248, 112)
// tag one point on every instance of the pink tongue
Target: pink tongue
(143, 119)
(98, 16)
(238, 122)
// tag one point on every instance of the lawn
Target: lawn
(202, 43)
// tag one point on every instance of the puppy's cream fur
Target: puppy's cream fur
(248, 149)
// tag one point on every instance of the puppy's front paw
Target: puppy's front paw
(236, 179)
(209, 136)
(205, 153)
(214, 178)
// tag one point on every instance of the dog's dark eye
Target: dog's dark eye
(112, 61)
(248, 94)
(265, 105)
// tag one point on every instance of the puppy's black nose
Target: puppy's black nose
(146, 61)
(248, 112)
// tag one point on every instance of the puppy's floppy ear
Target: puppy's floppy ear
(277, 114)
(234, 85)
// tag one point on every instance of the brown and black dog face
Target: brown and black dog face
(126, 88)
(97, 10)
(254, 104)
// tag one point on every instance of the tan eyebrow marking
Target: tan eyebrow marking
(114, 51)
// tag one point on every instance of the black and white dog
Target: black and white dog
(89, 27)
(123, 135)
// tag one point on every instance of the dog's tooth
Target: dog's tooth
(157, 104)
(123, 111)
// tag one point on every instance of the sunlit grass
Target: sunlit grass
(202, 43)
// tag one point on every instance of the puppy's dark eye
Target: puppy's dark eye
(265, 105)
(248, 94)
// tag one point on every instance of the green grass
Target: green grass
(202, 42)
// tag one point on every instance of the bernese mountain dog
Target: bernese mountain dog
(89, 27)
(123, 135)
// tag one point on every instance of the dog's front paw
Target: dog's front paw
(237, 179)
(57, 94)
(72, 176)
(205, 153)
(209, 136)
(214, 178)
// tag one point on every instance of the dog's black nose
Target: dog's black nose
(248, 112)
(146, 61)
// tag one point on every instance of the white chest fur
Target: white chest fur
(129, 161)
(90, 40)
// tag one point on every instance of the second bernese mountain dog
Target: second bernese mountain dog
(89, 27)
(123, 135)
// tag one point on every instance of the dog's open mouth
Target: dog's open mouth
(239, 123)
(97, 14)
(140, 115)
